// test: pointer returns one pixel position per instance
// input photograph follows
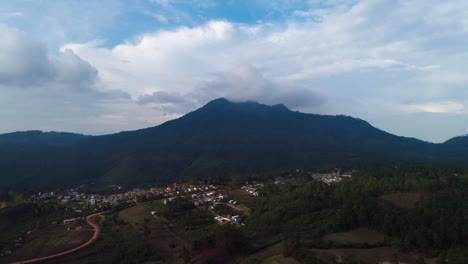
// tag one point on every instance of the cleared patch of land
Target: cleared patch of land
(134, 215)
(3, 205)
(402, 200)
(355, 236)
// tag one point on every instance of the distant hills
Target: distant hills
(221, 138)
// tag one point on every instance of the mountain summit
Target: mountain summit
(220, 138)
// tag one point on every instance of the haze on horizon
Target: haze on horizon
(99, 67)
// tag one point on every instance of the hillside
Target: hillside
(221, 138)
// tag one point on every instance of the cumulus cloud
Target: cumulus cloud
(23, 61)
(26, 64)
(72, 71)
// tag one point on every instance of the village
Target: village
(202, 195)
(224, 208)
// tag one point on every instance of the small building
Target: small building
(236, 218)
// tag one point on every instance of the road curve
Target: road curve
(97, 232)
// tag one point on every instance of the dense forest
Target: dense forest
(437, 224)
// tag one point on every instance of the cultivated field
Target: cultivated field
(403, 200)
(355, 236)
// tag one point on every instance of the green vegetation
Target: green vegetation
(302, 215)
(390, 213)
(402, 200)
(356, 236)
(198, 228)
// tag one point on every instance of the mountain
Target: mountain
(221, 138)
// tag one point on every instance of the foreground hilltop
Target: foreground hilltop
(221, 138)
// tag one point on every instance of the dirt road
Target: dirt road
(95, 236)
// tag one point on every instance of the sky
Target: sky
(99, 67)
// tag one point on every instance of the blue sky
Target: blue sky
(100, 67)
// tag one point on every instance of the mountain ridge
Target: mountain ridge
(220, 138)
(219, 102)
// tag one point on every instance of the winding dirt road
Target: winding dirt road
(97, 232)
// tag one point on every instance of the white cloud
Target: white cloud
(434, 107)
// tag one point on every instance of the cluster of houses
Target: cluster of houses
(228, 219)
(330, 178)
(252, 188)
(79, 201)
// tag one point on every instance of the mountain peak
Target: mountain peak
(224, 102)
(218, 102)
(280, 107)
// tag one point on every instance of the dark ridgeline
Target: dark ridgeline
(221, 138)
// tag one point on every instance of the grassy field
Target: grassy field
(355, 236)
(402, 200)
